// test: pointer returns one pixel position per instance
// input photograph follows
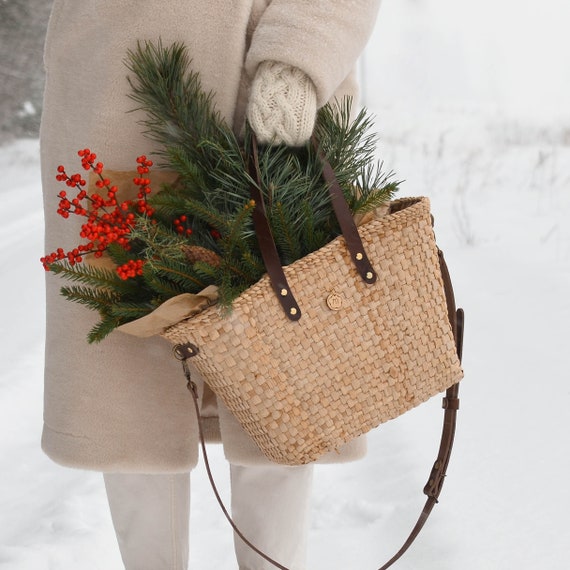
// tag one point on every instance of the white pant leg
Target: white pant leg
(151, 516)
(271, 505)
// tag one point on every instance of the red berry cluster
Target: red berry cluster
(131, 269)
(108, 221)
(144, 185)
(181, 227)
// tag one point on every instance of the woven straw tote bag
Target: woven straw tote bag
(325, 349)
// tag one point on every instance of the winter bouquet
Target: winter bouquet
(196, 231)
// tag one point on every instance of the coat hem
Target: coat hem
(81, 452)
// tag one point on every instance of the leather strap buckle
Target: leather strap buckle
(450, 403)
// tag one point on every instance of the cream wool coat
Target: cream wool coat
(122, 405)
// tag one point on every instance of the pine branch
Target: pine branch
(283, 234)
(119, 255)
(228, 293)
(102, 329)
(207, 272)
(158, 241)
(96, 299)
(178, 272)
(234, 240)
(179, 112)
(162, 288)
(175, 205)
(191, 181)
(127, 312)
(372, 200)
(313, 234)
(229, 179)
(350, 147)
(96, 277)
(252, 265)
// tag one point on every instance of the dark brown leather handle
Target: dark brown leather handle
(267, 243)
(345, 220)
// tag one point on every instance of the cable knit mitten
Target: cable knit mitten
(282, 104)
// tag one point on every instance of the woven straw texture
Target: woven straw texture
(303, 388)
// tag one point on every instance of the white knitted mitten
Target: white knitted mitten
(282, 105)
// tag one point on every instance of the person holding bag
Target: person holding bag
(120, 407)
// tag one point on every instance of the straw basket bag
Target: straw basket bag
(329, 347)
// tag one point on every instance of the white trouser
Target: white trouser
(270, 505)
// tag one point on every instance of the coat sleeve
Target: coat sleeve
(323, 38)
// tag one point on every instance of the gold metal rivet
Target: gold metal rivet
(369, 275)
(359, 256)
(293, 311)
(284, 292)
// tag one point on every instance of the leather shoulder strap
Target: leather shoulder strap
(437, 475)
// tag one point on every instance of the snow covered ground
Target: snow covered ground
(455, 123)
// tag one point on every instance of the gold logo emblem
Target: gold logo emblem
(335, 302)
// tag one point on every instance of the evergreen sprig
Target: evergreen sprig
(201, 230)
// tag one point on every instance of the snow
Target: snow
(498, 179)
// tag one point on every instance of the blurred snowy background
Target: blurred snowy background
(472, 110)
